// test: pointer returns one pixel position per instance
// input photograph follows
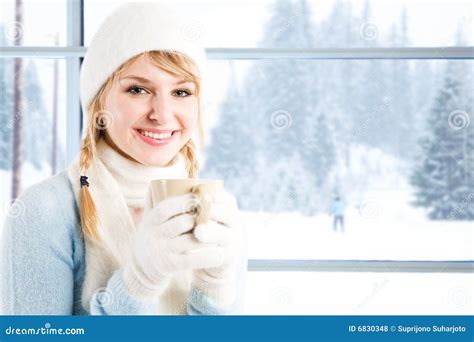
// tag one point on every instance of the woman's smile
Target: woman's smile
(157, 139)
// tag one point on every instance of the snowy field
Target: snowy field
(328, 293)
(381, 237)
(376, 236)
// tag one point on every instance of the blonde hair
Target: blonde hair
(172, 62)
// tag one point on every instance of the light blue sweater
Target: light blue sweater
(42, 263)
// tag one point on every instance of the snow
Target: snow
(337, 293)
(382, 235)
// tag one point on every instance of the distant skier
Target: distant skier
(337, 209)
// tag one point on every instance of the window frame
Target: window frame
(74, 52)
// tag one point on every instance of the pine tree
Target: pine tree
(444, 179)
(319, 153)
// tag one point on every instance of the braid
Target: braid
(189, 152)
(88, 209)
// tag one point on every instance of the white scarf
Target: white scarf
(116, 185)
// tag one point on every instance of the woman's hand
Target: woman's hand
(224, 230)
(164, 244)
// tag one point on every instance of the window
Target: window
(32, 29)
(41, 114)
(367, 101)
(342, 24)
(44, 114)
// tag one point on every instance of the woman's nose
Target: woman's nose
(161, 109)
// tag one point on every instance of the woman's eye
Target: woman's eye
(136, 90)
(182, 93)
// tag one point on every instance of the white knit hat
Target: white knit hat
(132, 29)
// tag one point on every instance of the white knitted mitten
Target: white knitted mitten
(164, 244)
(219, 283)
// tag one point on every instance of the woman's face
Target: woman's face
(153, 113)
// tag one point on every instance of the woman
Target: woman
(87, 243)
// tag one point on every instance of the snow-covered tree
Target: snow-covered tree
(444, 178)
(264, 127)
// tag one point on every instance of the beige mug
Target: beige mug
(204, 189)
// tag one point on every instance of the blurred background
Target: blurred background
(343, 127)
